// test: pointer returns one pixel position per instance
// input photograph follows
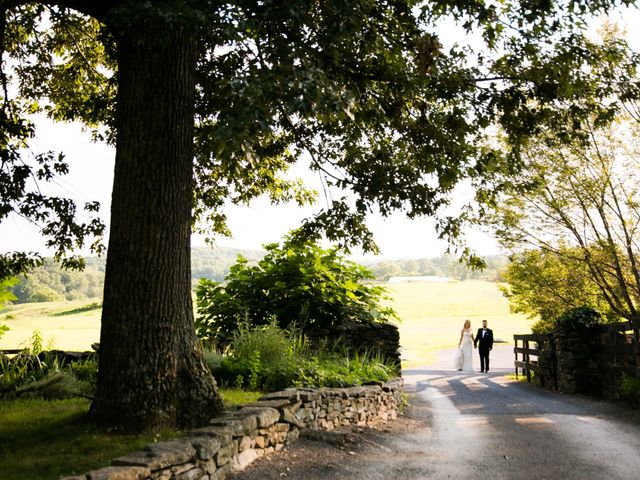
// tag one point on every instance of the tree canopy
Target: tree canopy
(367, 89)
(545, 284)
(580, 209)
(387, 107)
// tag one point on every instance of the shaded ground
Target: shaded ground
(467, 426)
(340, 453)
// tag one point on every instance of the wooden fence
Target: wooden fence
(611, 352)
(530, 350)
(620, 353)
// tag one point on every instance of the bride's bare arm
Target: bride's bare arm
(460, 341)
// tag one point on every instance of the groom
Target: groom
(485, 339)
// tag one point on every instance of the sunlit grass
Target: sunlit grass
(71, 325)
(432, 315)
(234, 396)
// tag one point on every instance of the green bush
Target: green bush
(261, 357)
(578, 319)
(85, 371)
(267, 358)
(299, 285)
(34, 373)
(630, 389)
(55, 385)
(213, 359)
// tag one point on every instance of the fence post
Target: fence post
(515, 352)
(526, 359)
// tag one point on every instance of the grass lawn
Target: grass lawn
(48, 439)
(432, 315)
(71, 325)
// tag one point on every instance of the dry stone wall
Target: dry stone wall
(383, 338)
(237, 438)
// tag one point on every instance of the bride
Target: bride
(466, 345)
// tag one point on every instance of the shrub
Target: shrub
(630, 389)
(261, 357)
(37, 373)
(268, 358)
(3, 329)
(296, 284)
(213, 359)
(578, 318)
(85, 371)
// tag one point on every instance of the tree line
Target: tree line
(442, 266)
(51, 283)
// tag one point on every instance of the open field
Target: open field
(67, 325)
(432, 315)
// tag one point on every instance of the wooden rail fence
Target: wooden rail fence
(12, 351)
(531, 346)
(612, 348)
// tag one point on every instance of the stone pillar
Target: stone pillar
(577, 358)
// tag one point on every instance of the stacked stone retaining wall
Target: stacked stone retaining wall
(237, 438)
(381, 338)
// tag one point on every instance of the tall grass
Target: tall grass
(268, 358)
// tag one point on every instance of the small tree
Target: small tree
(584, 195)
(544, 285)
(298, 284)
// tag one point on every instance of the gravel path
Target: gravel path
(473, 425)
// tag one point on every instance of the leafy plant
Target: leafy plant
(578, 318)
(6, 295)
(297, 284)
(268, 358)
(85, 371)
(37, 373)
(36, 343)
(3, 329)
(261, 357)
(630, 389)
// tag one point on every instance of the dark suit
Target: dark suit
(485, 344)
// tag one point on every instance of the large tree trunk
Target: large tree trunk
(151, 372)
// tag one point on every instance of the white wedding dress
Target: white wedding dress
(467, 351)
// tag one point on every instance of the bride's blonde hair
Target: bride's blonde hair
(467, 324)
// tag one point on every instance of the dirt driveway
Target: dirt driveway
(468, 426)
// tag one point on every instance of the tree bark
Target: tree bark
(151, 373)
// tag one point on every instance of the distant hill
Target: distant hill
(50, 283)
(214, 262)
(442, 266)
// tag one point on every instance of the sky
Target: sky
(91, 178)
